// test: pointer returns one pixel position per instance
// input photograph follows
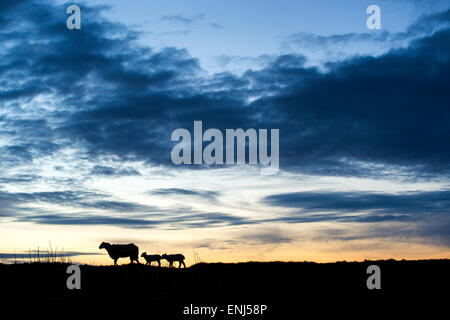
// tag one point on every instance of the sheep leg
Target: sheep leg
(184, 265)
(115, 261)
(159, 263)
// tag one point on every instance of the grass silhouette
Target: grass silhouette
(286, 287)
(49, 255)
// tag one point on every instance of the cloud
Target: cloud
(321, 49)
(250, 237)
(216, 25)
(188, 21)
(209, 219)
(110, 171)
(168, 220)
(180, 18)
(100, 94)
(70, 199)
(174, 32)
(101, 209)
(120, 206)
(107, 73)
(264, 236)
(403, 203)
(108, 96)
(412, 214)
(18, 179)
(208, 195)
(423, 232)
(62, 197)
(239, 64)
(88, 219)
(352, 121)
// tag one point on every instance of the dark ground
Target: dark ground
(290, 290)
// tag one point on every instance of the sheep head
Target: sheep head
(104, 245)
(143, 254)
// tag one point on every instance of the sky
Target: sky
(86, 118)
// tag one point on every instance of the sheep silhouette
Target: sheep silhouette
(174, 257)
(117, 251)
(151, 258)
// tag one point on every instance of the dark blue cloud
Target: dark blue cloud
(426, 24)
(94, 75)
(101, 209)
(428, 210)
(71, 199)
(104, 94)
(389, 110)
(363, 116)
(88, 219)
(187, 21)
(173, 221)
(421, 214)
(271, 236)
(403, 203)
(109, 171)
(19, 178)
(178, 18)
(209, 195)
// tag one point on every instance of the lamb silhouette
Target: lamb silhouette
(174, 257)
(117, 251)
(151, 258)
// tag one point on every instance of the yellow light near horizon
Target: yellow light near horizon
(21, 237)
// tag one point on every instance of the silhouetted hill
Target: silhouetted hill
(287, 288)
